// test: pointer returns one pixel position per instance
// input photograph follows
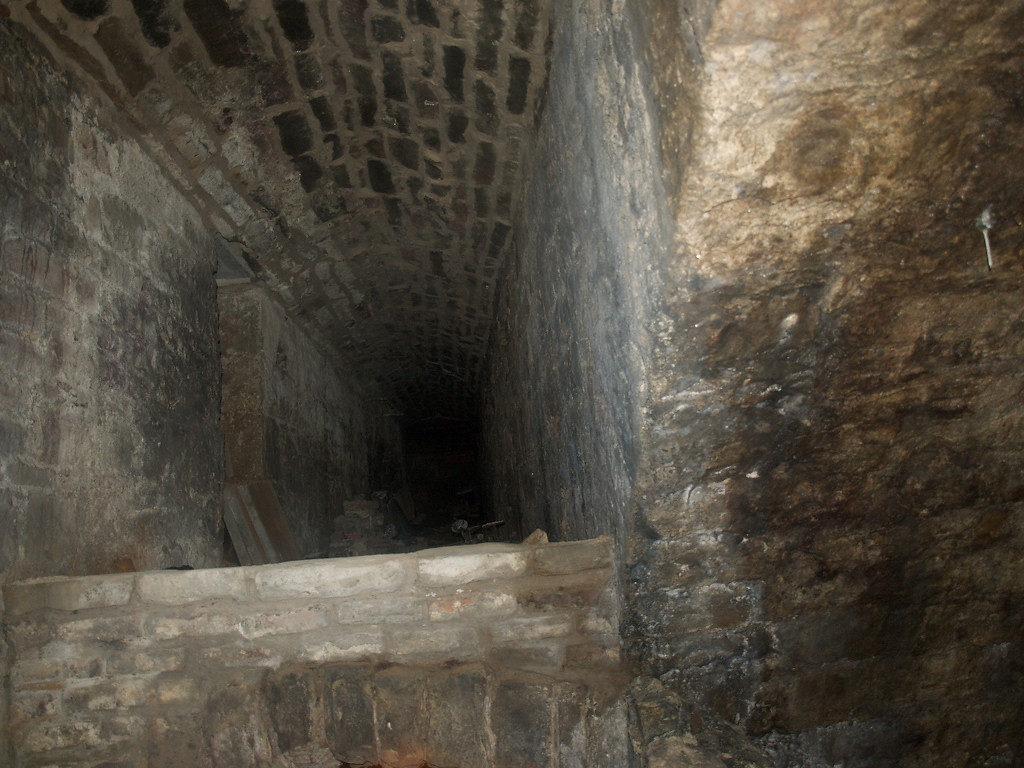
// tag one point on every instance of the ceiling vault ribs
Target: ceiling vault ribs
(364, 154)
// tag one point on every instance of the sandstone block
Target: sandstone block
(384, 608)
(401, 717)
(349, 715)
(455, 704)
(531, 628)
(573, 556)
(461, 565)
(68, 594)
(430, 643)
(521, 722)
(334, 646)
(183, 587)
(330, 578)
(477, 606)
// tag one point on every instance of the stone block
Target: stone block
(471, 605)
(400, 695)
(294, 701)
(111, 693)
(352, 644)
(175, 742)
(526, 629)
(455, 706)
(521, 712)
(194, 624)
(68, 594)
(462, 565)
(235, 727)
(331, 578)
(349, 714)
(570, 732)
(183, 587)
(433, 643)
(117, 628)
(384, 608)
(134, 661)
(573, 556)
(307, 618)
(608, 744)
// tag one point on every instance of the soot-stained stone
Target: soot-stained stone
(327, 207)
(380, 177)
(433, 169)
(486, 111)
(498, 236)
(86, 9)
(454, 66)
(322, 111)
(392, 77)
(156, 25)
(432, 138)
(292, 699)
(483, 170)
(406, 151)
(526, 23)
(296, 137)
(437, 263)
(456, 734)
(351, 16)
(131, 67)
(488, 36)
(293, 16)
(457, 124)
(425, 13)
(387, 29)
(309, 172)
(363, 81)
(350, 727)
(521, 715)
(309, 72)
(337, 148)
(518, 84)
(481, 202)
(340, 175)
(394, 209)
(220, 30)
(375, 147)
(273, 83)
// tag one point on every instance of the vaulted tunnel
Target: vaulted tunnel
(739, 288)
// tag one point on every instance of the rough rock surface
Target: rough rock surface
(827, 474)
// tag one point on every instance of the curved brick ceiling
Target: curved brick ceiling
(363, 154)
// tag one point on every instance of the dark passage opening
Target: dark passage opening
(443, 469)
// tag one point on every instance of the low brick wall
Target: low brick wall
(253, 666)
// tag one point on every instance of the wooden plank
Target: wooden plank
(257, 525)
(270, 514)
(237, 521)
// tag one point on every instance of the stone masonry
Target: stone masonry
(367, 174)
(319, 434)
(484, 655)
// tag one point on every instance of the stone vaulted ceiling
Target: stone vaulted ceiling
(362, 156)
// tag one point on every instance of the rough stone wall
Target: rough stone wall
(567, 365)
(110, 456)
(319, 435)
(831, 516)
(485, 656)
